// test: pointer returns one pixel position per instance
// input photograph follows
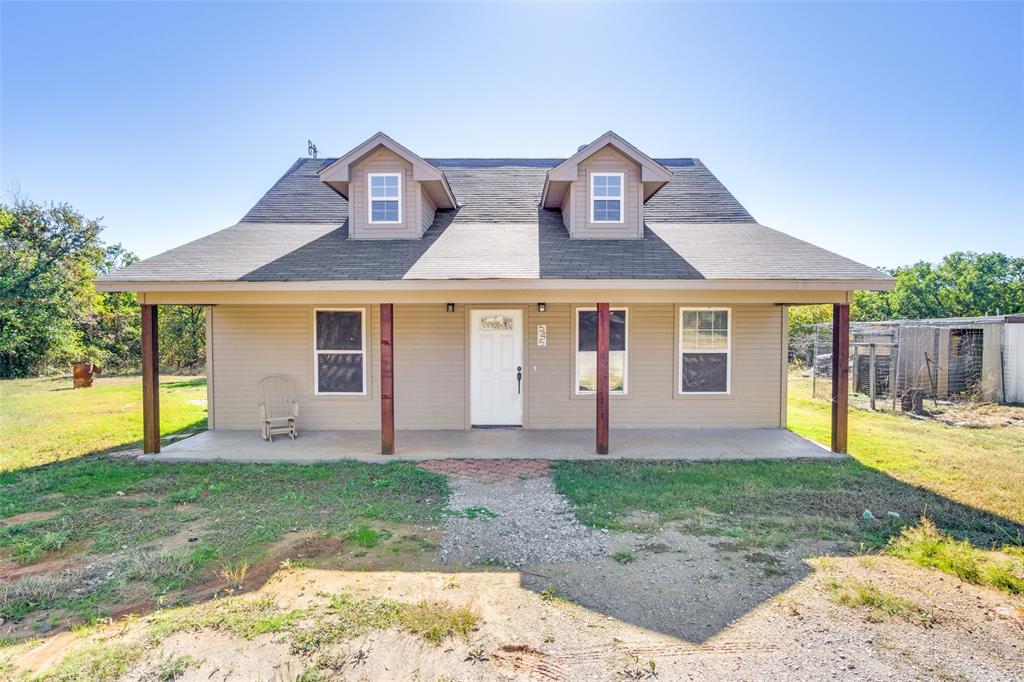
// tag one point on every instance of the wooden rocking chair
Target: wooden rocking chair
(278, 407)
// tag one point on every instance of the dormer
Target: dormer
(602, 188)
(392, 193)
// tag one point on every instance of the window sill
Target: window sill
(676, 395)
(593, 396)
(344, 397)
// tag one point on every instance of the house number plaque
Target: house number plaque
(542, 335)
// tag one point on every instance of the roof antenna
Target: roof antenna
(311, 149)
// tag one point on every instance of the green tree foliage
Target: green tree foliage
(183, 337)
(964, 284)
(51, 315)
(47, 256)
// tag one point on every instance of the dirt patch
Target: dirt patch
(489, 470)
(523, 635)
(68, 558)
(28, 517)
(191, 533)
(977, 415)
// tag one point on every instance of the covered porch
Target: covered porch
(667, 426)
(418, 445)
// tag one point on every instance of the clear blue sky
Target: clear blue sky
(888, 133)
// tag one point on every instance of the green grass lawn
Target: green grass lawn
(121, 513)
(128, 532)
(969, 481)
(42, 420)
(982, 468)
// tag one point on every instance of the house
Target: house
(979, 358)
(606, 288)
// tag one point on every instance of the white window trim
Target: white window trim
(317, 352)
(576, 352)
(621, 198)
(728, 351)
(370, 198)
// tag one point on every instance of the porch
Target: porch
(418, 445)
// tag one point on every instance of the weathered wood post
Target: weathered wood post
(603, 333)
(871, 374)
(840, 374)
(150, 380)
(387, 380)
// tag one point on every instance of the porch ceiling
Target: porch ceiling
(577, 444)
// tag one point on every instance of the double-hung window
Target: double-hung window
(340, 350)
(586, 350)
(606, 192)
(705, 338)
(385, 197)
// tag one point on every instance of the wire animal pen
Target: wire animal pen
(896, 364)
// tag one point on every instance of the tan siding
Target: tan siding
(755, 400)
(253, 341)
(430, 361)
(383, 161)
(427, 211)
(211, 414)
(567, 209)
(611, 161)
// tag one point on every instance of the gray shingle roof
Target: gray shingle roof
(298, 232)
(499, 191)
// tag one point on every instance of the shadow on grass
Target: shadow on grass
(749, 511)
(198, 426)
(742, 512)
(185, 383)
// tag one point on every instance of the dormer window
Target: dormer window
(385, 198)
(606, 197)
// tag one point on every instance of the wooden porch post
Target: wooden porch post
(602, 378)
(387, 380)
(150, 380)
(840, 374)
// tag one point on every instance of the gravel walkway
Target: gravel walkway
(514, 524)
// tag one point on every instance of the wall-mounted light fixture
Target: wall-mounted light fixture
(542, 307)
(450, 307)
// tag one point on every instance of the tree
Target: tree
(48, 256)
(964, 284)
(183, 337)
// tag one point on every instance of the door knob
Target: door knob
(519, 379)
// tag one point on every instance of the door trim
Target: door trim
(467, 324)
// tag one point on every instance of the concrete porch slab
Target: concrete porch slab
(653, 444)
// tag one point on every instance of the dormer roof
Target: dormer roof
(653, 175)
(336, 174)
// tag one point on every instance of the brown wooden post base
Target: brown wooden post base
(387, 380)
(150, 380)
(840, 375)
(603, 333)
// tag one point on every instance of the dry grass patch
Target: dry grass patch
(927, 547)
(349, 616)
(857, 594)
(96, 662)
(241, 616)
(437, 621)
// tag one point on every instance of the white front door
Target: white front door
(496, 367)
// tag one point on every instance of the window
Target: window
(586, 351)
(606, 197)
(385, 197)
(705, 349)
(339, 345)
